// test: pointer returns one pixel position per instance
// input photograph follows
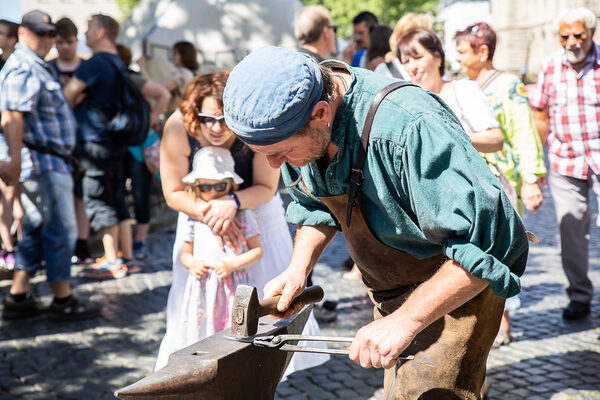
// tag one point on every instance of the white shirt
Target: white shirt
(468, 102)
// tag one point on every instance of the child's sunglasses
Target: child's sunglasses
(207, 187)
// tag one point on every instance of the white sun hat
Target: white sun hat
(212, 163)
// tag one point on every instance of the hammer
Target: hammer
(247, 309)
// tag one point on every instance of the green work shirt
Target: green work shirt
(426, 190)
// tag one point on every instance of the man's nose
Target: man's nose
(571, 41)
(275, 162)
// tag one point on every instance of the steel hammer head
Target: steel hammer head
(245, 311)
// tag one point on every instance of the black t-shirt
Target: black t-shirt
(63, 76)
(103, 91)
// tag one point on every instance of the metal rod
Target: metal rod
(291, 347)
(287, 338)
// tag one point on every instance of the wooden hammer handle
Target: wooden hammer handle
(311, 294)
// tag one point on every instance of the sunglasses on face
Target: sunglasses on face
(209, 120)
(334, 27)
(207, 187)
(50, 34)
(577, 36)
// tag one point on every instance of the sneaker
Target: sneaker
(100, 261)
(107, 269)
(75, 259)
(9, 259)
(74, 309)
(324, 315)
(81, 254)
(139, 249)
(30, 307)
(132, 265)
(6, 269)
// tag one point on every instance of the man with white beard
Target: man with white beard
(567, 103)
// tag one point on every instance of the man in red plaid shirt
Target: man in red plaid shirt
(567, 103)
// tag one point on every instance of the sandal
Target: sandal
(502, 339)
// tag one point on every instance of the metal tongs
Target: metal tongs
(279, 342)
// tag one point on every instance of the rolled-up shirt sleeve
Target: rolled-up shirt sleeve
(459, 204)
(304, 208)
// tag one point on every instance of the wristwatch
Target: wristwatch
(530, 178)
(234, 197)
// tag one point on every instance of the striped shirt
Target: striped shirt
(28, 85)
(573, 101)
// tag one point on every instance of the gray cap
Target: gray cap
(38, 22)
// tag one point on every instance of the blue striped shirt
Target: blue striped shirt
(28, 85)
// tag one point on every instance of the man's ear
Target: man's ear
(325, 34)
(484, 52)
(321, 114)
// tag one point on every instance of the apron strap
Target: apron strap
(356, 173)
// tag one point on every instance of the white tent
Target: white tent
(223, 31)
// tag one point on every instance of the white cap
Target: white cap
(212, 163)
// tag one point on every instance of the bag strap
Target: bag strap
(356, 174)
(69, 159)
(124, 78)
(491, 78)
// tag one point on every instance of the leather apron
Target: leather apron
(451, 353)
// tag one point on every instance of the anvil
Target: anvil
(220, 368)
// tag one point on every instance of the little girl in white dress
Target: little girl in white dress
(213, 273)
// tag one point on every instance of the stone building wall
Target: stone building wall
(526, 35)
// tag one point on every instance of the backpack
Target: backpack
(131, 123)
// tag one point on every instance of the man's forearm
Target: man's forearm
(309, 243)
(12, 127)
(449, 288)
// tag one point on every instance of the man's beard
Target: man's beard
(320, 139)
(575, 54)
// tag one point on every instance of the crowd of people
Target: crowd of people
(225, 140)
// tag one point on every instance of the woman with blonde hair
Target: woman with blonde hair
(392, 66)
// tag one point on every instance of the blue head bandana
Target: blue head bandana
(270, 94)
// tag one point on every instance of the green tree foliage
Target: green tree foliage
(387, 11)
(126, 7)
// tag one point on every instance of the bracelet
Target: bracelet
(235, 198)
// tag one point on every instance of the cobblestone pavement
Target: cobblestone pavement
(548, 359)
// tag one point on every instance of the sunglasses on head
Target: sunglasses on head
(207, 187)
(473, 29)
(577, 36)
(50, 34)
(209, 120)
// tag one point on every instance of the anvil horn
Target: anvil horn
(220, 368)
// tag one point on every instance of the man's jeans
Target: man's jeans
(49, 227)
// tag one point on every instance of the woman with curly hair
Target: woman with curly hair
(199, 123)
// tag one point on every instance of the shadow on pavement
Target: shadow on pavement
(70, 370)
(566, 373)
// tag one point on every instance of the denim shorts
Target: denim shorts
(49, 227)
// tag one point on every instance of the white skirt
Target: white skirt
(277, 250)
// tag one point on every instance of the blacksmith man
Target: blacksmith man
(438, 243)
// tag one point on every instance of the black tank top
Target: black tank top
(242, 155)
